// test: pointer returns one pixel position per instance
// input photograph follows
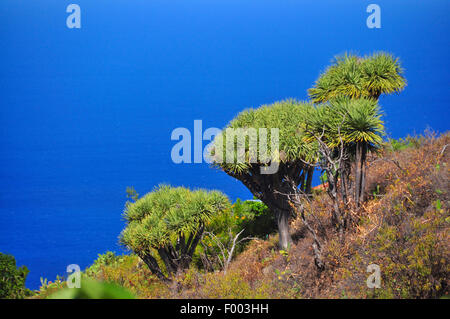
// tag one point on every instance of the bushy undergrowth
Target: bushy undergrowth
(12, 279)
(247, 219)
(128, 271)
(254, 218)
(403, 228)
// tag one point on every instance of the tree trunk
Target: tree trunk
(316, 246)
(360, 172)
(152, 264)
(357, 190)
(274, 191)
(283, 228)
(170, 267)
(363, 173)
(343, 172)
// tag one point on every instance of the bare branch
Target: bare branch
(227, 252)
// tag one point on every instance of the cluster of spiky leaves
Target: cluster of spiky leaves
(357, 77)
(285, 116)
(162, 215)
(345, 120)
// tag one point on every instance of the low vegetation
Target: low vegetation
(403, 227)
(12, 279)
(165, 226)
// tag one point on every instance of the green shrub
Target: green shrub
(91, 289)
(12, 279)
(49, 287)
(130, 272)
(254, 217)
(404, 143)
(107, 259)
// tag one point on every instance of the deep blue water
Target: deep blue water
(84, 113)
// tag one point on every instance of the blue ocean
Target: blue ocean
(86, 112)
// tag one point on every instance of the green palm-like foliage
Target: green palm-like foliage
(285, 116)
(352, 78)
(170, 221)
(346, 120)
(382, 75)
(356, 77)
(353, 126)
(343, 77)
(361, 121)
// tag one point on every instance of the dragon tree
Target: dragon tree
(165, 226)
(264, 149)
(357, 77)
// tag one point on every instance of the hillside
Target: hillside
(403, 227)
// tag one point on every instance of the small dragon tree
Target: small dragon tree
(356, 78)
(167, 224)
(337, 127)
(242, 151)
